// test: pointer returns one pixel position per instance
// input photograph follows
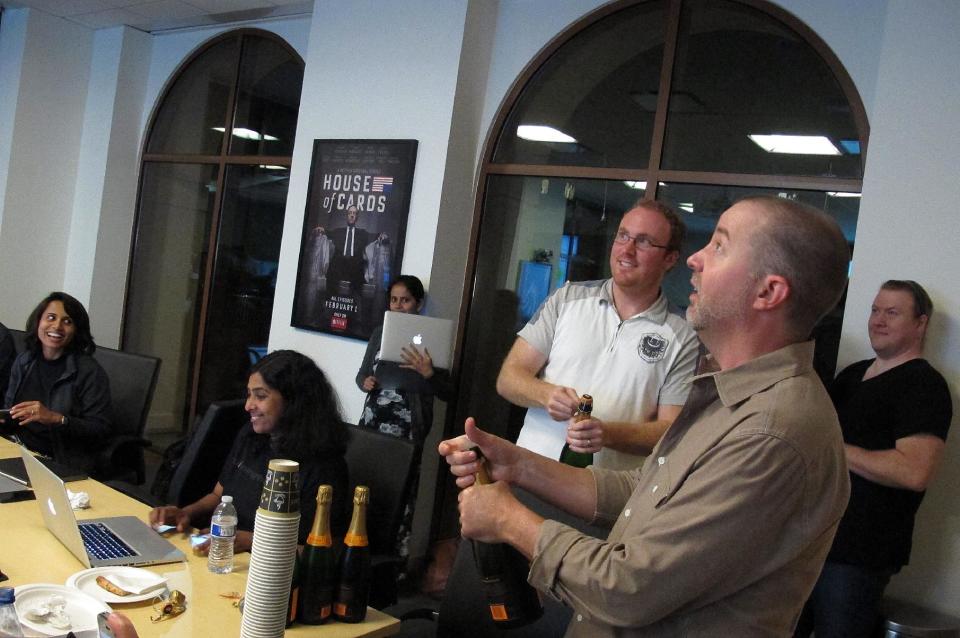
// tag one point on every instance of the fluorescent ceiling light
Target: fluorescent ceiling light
(272, 167)
(640, 186)
(842, 194)
(795, 144)
(687, 206)
(247, 134)
(537, 133)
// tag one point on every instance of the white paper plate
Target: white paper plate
(86, 581)
(81, 608)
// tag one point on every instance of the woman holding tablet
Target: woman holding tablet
(404, 411)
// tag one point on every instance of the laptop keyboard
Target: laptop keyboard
(103, 544)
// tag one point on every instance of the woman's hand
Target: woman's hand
(35, 412)
(369, 383)
(170, 515)
(413, 359)
(242, 541)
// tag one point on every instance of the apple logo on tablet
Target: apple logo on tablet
(53, 510)
(417, 339)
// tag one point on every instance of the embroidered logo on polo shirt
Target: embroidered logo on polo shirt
(652, 347)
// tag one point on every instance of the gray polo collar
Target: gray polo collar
(657, 312)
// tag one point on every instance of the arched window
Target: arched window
(213, 188)
(694, 102)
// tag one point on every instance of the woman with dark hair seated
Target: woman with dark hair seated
(294, 414)
(58, 394)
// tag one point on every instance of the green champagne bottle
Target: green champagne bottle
(568, 456)
(354, 588)
(511, 601)
(318, 568)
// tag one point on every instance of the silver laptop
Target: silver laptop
(98, 542)
(401, 329)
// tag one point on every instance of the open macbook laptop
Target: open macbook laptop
(401, 329)
(99, 542)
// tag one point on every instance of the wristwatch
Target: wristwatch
(64, 420)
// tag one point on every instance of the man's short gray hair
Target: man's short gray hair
(806, 247)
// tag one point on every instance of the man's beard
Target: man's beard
(709, 312)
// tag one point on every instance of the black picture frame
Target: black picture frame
(338, 292)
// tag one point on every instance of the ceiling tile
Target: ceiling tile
(104, 19)
(166, 9)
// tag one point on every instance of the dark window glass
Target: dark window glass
(740, 72)
(204, 264)
(600, 89)
(537, 233)
(196, 104)
(244, 278)
(166, 278)
(700, 207)
(268, 97)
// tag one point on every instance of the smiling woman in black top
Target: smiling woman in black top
(58, 393)
(294, 414)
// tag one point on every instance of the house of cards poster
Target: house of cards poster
(353, 234)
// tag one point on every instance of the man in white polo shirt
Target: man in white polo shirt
(613, 339)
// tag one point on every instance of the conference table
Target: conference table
(30, 554)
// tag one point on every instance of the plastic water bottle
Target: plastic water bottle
(223, 528)
(9, 623)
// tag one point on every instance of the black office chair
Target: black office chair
(383, 463)
(18, 339)
(196, 470)
(133, 378)
(206, 452)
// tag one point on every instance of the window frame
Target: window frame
(223, 160)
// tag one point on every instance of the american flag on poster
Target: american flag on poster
(382, 185)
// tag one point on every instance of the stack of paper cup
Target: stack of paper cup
(274, 552)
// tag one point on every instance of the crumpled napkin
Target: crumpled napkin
(78, 500)
(133, 580)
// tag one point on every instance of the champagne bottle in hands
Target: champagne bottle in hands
(318, 568)
(568, 456)
(511, 600)
(354, 588)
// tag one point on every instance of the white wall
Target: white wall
(13, 33)
(107, 178)
(44, 108)
(401, 87)
(908, 230)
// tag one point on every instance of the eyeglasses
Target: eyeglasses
(642, 242)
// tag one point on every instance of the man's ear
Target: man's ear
(772, 291)
(671, 258)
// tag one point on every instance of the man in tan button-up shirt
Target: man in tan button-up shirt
(724, 529)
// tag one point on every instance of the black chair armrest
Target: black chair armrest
(122, 457)
(137, 492)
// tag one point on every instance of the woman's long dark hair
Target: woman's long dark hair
(82, 339)
(311, 424)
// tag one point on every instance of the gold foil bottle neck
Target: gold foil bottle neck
(324, 494)
(361, 495)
